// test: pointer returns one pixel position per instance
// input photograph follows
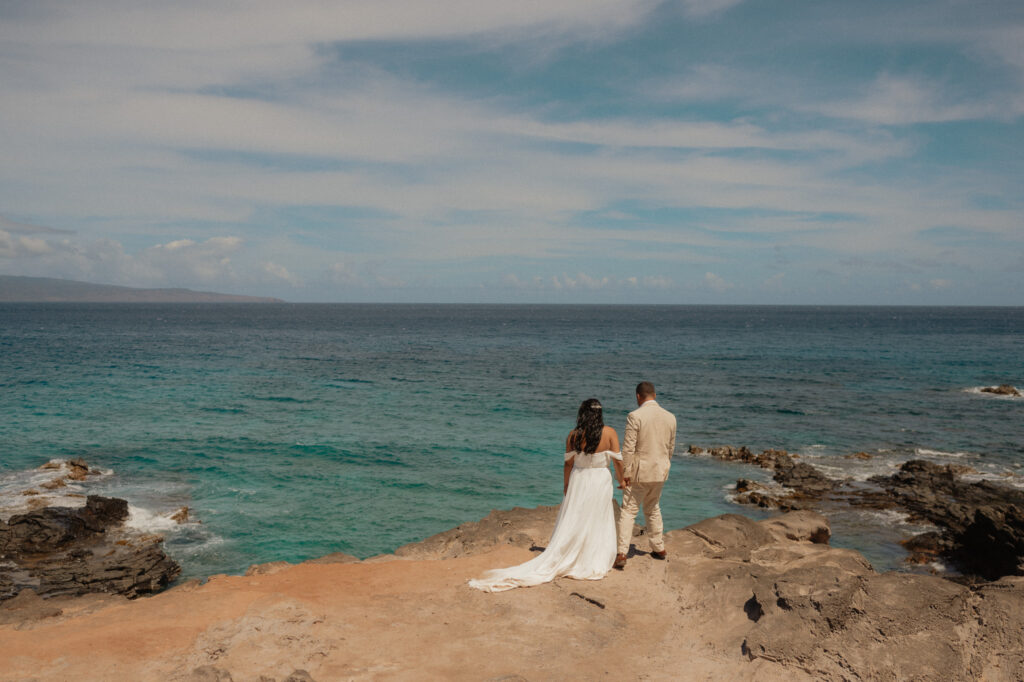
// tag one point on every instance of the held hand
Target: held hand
(626, 480)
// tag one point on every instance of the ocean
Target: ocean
(295, 430)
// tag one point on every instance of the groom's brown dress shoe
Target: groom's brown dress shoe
(620, 561)
(660, 556)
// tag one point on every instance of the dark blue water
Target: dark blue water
(296, 430)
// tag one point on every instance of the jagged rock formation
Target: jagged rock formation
(54, 540)
(1002, 389)
(61, 550)
(65, 550)
(982, 523)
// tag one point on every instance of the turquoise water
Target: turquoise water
(296, 430)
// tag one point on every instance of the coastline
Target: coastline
(254, 415)
(737, 599)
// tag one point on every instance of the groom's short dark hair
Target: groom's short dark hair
(644, 389)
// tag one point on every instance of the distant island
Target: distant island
(48, 290)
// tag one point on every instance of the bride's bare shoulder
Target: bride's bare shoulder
(609, 439)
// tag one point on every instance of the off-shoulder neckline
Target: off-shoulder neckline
(601, 452)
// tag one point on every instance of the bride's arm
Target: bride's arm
(616, 463)
(567, 468)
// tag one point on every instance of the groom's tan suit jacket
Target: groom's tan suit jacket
(648, 443)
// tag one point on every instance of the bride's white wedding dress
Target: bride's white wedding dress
(582, 545)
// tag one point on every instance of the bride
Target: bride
(582, 545)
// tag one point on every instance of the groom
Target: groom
(646, 457)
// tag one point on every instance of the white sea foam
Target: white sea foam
(146, 521)
(997, 475)
(979, 390)
(926, 452)
(942, 568)
(20, 504)
(836, 466)
(23, 491)
(893, 518)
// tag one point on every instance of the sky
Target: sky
(540, 151)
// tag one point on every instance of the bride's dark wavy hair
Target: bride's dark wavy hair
(589, 427)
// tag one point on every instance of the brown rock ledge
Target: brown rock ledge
(737, 600)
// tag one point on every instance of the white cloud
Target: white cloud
(34, 245)
(175, 245)
(422, 155)
(279, 272)
(657, 282)
(198, 25)
(716, 283)
(164, 123)
(344, 274)
(584, 282)
(889, 99)
(178, 263)
(22, 246)
(902, 100)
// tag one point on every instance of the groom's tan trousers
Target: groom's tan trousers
(649, 495)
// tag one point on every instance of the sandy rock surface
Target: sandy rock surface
(736, 599)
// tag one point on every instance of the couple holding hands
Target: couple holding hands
(584, 543)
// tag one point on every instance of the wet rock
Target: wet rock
(752, 492)
(181, 516)
(859, 455)
(766, 459)
(744, 485)
(63, 550)
(77, 469)
(802, 477)
(927, 547)
(992, 544)
(982, 521)
(1002, 389)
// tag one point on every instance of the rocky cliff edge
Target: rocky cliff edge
(736, 599)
